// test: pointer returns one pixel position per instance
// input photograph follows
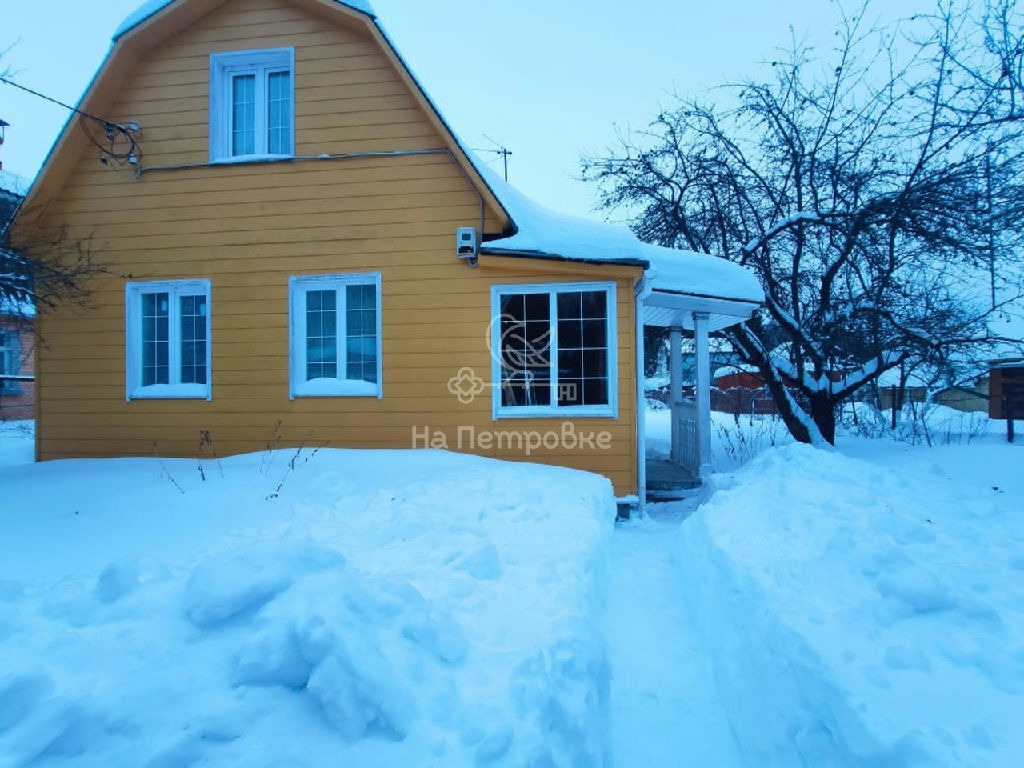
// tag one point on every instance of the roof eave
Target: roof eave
(753, 302)
(531, 254)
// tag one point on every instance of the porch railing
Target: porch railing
(684, 433)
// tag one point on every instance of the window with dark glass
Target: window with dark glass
(553, 345)
(582, 348)
(526, 349)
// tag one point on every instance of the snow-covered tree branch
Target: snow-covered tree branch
(877, 191)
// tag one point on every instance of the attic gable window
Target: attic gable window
(168, 339)
(252, 105)
(335, 335)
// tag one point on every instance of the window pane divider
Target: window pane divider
(553, 346)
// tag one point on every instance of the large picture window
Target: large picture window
(335, 335)
(553, 349)
(252, 105)
(168, 339)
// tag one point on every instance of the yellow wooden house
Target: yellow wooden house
(298, 248)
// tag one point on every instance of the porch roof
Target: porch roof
(542, 233)
(670, 309)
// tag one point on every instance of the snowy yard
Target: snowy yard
(386, 609)
(863, 605)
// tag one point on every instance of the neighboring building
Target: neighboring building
(17, 362)
(973, 399)
(17, 337)
(741, 391)
(288, 232)
(1006, 397)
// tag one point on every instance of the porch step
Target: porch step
(666, 477)
(655, 495)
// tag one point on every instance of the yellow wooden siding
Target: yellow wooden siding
(249, 227)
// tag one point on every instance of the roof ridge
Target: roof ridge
(150, 8)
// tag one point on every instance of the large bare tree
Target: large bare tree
(873, 189)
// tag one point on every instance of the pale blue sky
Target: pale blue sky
(549, 80)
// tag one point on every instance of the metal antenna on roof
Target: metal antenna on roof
(122, 145)
(499, 150)
(3, 124)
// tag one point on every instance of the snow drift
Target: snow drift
(387, 608)
(862, 615)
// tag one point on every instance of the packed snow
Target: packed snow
(386, 608)
(664, 703)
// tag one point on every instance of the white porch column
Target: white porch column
(703, 393)
(675, 387)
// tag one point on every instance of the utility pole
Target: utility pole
(990, 227)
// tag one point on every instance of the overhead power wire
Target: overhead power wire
(112, 130)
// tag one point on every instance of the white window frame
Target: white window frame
(499, 411)
(260, 62)
(134, 390)
(298, 285)
(10, 360)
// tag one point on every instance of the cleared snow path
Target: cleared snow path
(665, 709)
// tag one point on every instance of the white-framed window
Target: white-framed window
(252, 105)
(335, 326)
(553, 350)
(10, 361)
(167, 341)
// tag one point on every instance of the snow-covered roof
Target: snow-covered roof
(545, 233)
(891, 378)
(152, 7)
(732, 370)
(15, 308)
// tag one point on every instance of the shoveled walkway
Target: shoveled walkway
(665, 710)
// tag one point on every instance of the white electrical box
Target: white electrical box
(466, 244)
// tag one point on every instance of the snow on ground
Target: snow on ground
(386, 608)
(664, 702)
(865, 605)
(735, 440)
(16, 445)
